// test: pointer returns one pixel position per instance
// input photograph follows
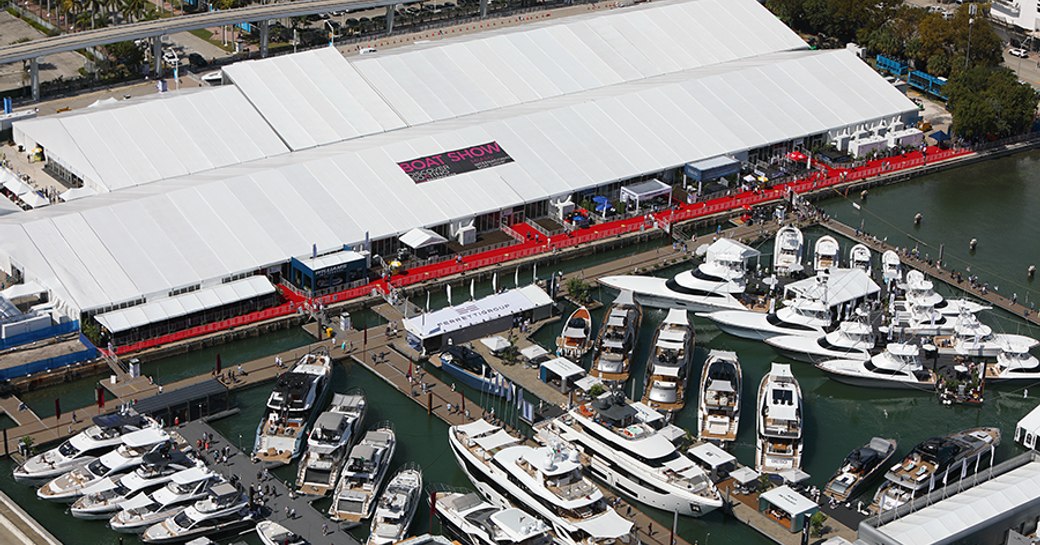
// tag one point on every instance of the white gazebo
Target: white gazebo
(644, 191)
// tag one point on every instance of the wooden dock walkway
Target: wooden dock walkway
(745, 509)
(939, 273)
(307, 521)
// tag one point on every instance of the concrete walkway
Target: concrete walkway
(18, 528)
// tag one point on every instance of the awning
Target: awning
(794, 476)
(77, 193)
(421, 238)
(712, 168)
(744, 475)
(791, 502)
(586, 383)
(940, 136)
(451, 319)
(495, 343)
(22, 290)
(8, 207)
(34, 200)
(478, 427)
(610, 525)
(563, 368)
(335, 259)
(533, 352)
(496, 440)
(643, 191)
(711, 455)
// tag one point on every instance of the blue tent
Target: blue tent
(940, 136)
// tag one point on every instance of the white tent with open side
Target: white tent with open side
(644, 191)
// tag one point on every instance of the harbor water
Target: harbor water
(994, 202)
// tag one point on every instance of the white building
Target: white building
(455, 135)
(1024, 14)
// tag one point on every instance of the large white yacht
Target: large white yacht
(635, 451)
(859, 258)
(891, 267)
(397, 506)
(130, 454)
(546, 481)
(898, 366)
(825, 253)
(334, 432)
(1014, 362)
(79, 450)
(799, 316)
(935, 463)
(788, 251)
(921, 291)
(102, 498)
(668, 371)
(363, 474)
(718, 414)
(974, 339)
(852, 340)
(225, 509)
(291, 408)
(715, 284)
(780, 419)
(475, 521)
(918, 320)
(147, 508)
(612, 361)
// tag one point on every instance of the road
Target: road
(1028, 70)
(12, 76)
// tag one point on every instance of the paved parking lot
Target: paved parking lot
(13, 29)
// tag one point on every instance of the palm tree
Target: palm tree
(132, 10)
(94, 8)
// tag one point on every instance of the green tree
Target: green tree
(126, 53)
(579, 289)
(133, 10)
(816, 522)
(990, 103)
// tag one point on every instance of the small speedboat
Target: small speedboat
(859, 258)
(825, 253)
(899, 366)
(576, 339)
(891, 267)
(787, 251)
(780, 421)
(272, 533)
(397, 506)
(859, 468)
(718, 414)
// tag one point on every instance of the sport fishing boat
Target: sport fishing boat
(79, 450)
(1014, 362)
(852, 340)
(366, 467)
(668, 371)
(576, 339)
(292, 407)
(396, 507)
(224, 510)
(859, 468)
(635, 451)
(470, 368)
(859, 258)
(718, 414)
(920, 291)
(891, 267)
(272, 533)
(787, 251)
(547, 481)
(898, 366)
(918, 320)
(934, 463)
(617, 339)
(713, 285)
(130, 454)
(101, 499)
(475, 521)
(147, 508)
(334, 432)
(825, 253)
(974, 339)
(780, 419)
(800, 316)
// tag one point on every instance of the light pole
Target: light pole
(176, 70)
(971, 20)
(332, 32)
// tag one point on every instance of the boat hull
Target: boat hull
(871, 382)
(654, 293)
(638, 492)
(477, 383)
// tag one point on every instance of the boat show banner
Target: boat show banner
(450, 163)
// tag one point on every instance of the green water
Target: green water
(993, 202)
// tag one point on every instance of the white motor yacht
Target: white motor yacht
(788, 251)
(130, 454)
(718, 414)
(102, 498)
(363, 474)
(852, 340)
(921, 291)
(475, 521)
(225, 509)
(918, 320)
(334, 432)
(974, 339)
(576, 339)
(397, 506)
(1014, 362)
(859, 258)
(147, 508)
(934, 463)
(291, 408)
(825, 253)
(859, 468)
(891, 267)
(612, 361)
(668, 371)
(635, 451)
(546, 481)
(898, 366)
(79, 450)
(272, 533)
(799, 316)
(780, 419)
(713, 285)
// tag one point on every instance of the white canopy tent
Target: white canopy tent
(77, 193)
(419, 238)
(644, 191)
(835, 287)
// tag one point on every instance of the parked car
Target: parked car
(171, 58)
(1018, 52)
(197, 61)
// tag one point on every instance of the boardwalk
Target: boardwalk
(745, 509)
(308, 522)
(929, 267)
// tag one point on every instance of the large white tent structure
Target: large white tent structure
(740, 81)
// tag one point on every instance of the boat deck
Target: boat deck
(308, 522)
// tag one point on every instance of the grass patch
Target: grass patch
(211, 38)
(40, 28)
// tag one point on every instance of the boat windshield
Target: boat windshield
(68, 450)
(183, 521)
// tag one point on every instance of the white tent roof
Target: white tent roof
(115, 146)
(645, 190)
(331, 260)
(8, 207)
(313, 98)
(784, 497)
(731, 249)
(185, 304)
(533, 352)
(958, 514)
(1031, 422)
(77, 193)
(842, 286)
(711, 454)
(456, 318)
(421, 238)
(563, 368)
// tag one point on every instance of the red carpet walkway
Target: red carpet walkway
(683, 212)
